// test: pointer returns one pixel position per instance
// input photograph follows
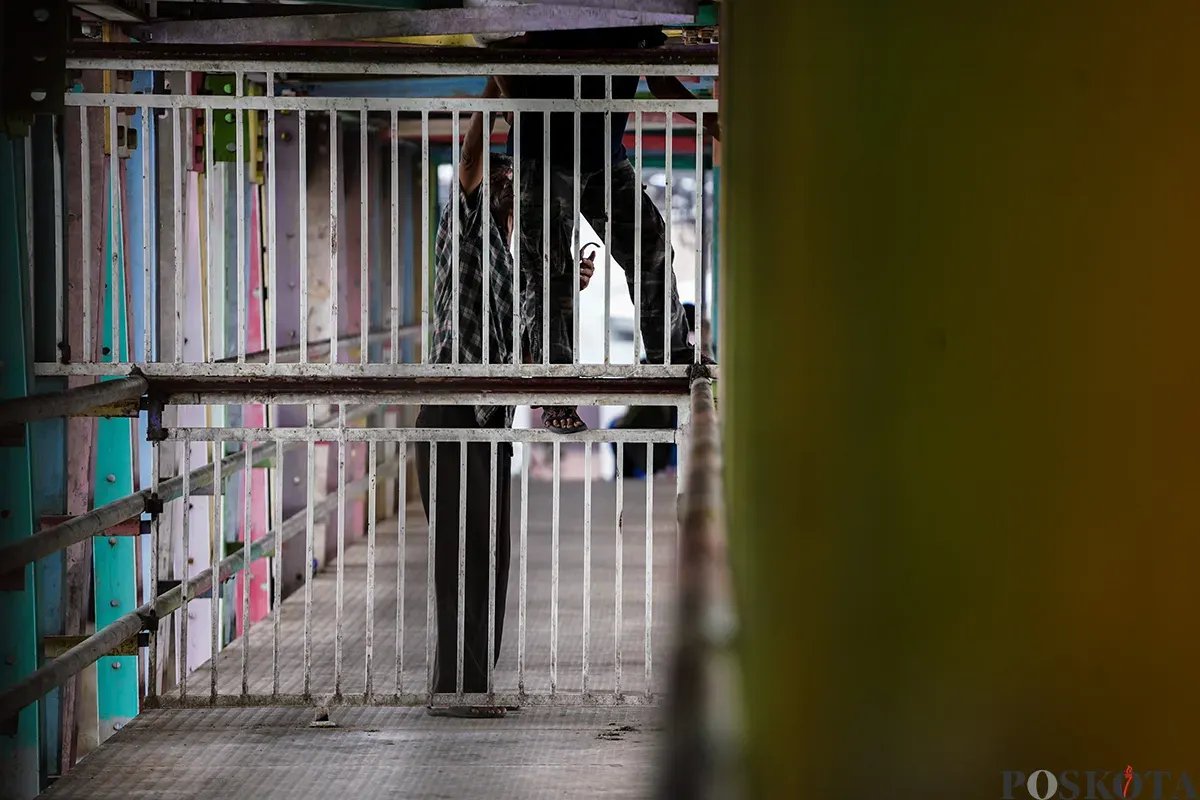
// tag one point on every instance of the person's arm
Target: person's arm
(666, 87)
(470, 165)
(510, 85)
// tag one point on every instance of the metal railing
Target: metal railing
(255, 99)
(702, 756)
(183, 361)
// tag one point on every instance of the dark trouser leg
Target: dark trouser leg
(625, 189)
(478, 534)
(532, 268)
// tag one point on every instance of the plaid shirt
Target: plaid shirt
(470, 294)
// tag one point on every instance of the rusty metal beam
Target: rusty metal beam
(402, 390)
(380, 54)
(91, 400)
(405, 22)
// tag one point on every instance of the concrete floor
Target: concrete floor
(373, 753)
(400, 752)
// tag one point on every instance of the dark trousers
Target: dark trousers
(445, 577)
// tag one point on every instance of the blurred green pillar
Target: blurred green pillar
(961, 360)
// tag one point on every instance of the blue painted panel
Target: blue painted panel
(113, 557)
(136, 181)
(19, 767)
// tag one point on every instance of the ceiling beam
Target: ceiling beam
(380, 24)
(689, 7)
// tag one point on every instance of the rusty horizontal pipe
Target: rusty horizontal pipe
(147, 616)
(72, 402)
(318, 386)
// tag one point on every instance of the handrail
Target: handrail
(701, 759)
(147, 616)
(38, 545)
(71, 402)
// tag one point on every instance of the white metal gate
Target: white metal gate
(278, 323)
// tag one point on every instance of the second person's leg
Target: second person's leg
(548, 327)
(654, 244)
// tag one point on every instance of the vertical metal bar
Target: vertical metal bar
(486, 234)
(177, 190)
(546, 237)
(455, 192)
(370, 633)
(186, 558)
(699, 214)
(649, 564)
(425, 279)
(209, 210)
(334, 165)
(524, 567)
(341, 554)
(147, 294)
(430, 599)
(608, 221)
(401, 552)
(277, 563)
(214, 540)
(364, 236)
(30, 303)
(462, 561)
(85, 243)
(492, 476)
(246, 565)
(310, 489)
(619, 559)
(574, 260)
(637, 239)
(303, 227)
(395, 239)
(240, 80)
(115, 207)
(60, 297)
(587, 560)
(520, 274)
(554, 571)
(155, 543)
(273, 289)
(667, 251)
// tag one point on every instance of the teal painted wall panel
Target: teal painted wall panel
(113, 558)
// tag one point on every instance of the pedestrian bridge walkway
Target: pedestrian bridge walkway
(562, 742)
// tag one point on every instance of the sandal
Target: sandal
(467, 712)
(562, 419)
